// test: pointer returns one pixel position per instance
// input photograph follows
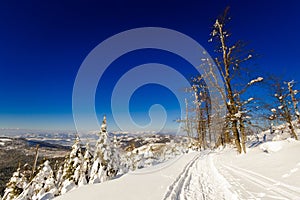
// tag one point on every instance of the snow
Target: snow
(269, 170)
(5, 140)
(238, 114)
(271, 146)
(148, 183)
(259, 79)
(250, 99)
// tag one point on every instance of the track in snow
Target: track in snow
(204, 179)
(200, 180)
(270, 188)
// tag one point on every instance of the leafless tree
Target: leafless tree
(282, 107)
(231, 59)
(293, 94)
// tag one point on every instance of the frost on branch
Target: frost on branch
(257, 80)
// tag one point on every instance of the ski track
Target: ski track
(199, 181)
(273, 189)
(174, 189)
(202, 180)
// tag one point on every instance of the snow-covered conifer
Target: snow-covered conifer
(72, 167)
(15, 186)
(86, 167)
(42, 185)
(106, 162)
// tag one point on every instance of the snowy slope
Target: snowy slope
(149, 183)
(270, 170)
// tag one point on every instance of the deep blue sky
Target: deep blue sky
(43, 43)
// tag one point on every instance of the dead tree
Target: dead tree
(34, 162)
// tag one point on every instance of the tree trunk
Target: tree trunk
(291, 127)
(236, 136)
(243, 135)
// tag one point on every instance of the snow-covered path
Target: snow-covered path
(219, 176)
(200, 180)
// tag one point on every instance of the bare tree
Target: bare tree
(293, 98)
(187, 121)
(200, 122)
(229, 63)
(282, 111)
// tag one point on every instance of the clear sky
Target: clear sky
(43, 44)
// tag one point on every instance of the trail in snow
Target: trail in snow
(200, 180)
(207, 178)
(271, 189)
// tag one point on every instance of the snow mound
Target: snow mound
(274, 146)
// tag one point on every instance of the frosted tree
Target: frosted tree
(72, 167)
(15, 186)
(42, 186)
(202, 109)
(149, 158)
(282, 111)
(86, 166)
(230, 62)
(293, 94)
(59, 175)
(106, 161)
(114, 164)
(187, 121)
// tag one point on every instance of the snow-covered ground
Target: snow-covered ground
(148, 183)
(270, 170)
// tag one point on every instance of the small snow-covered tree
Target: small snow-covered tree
(106, 162)
(42, 186)
(72, 167)
(15, 186)
(86, 166)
